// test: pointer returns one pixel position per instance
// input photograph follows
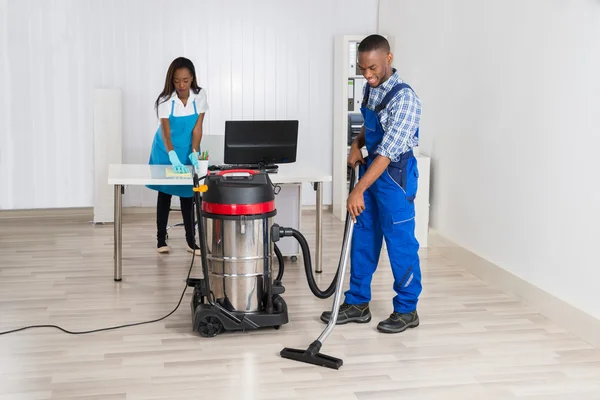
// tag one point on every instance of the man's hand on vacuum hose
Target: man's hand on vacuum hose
(356, 199)
(355, 155)
(356, 203)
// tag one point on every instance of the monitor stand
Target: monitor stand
(269, 168)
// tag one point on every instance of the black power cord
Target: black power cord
(119, 326)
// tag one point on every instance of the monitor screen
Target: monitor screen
(260, 142)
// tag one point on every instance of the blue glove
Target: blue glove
(177, 165)
(194, 159)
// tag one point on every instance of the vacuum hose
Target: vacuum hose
(280, 260)
(309, 272)
(279, 232)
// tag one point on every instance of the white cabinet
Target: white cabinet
(422, 201)
(346, 81)
(347, 90)
(108, 145)
(289, 214)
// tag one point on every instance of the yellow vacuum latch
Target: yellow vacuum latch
(201, 188)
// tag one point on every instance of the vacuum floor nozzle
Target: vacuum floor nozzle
(312, 356)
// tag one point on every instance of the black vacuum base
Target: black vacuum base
(209, 320)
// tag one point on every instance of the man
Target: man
(382, 202)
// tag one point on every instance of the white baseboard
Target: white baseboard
(314, 208)
(71, 212)
(560, 312)
(67, 212)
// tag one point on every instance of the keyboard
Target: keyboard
(271, 168)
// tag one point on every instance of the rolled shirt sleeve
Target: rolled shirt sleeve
(164, 109)
(201, 102)
(403, 118)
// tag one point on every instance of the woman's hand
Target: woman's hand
(177, 165)
(194, 159)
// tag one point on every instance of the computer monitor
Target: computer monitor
(260, 142)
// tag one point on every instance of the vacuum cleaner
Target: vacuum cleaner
(235, 225)
(235, 211)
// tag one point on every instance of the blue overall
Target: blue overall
(389, 213)
(181, 138)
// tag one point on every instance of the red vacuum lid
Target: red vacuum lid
(238, 192)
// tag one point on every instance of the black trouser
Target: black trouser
(163, 206)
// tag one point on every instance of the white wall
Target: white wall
(257, 60)
(5, 137)
(511, 93)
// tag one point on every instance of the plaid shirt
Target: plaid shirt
(399, 120)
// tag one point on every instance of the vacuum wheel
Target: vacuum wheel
(210, 326)
(278, 303)
(279, 306)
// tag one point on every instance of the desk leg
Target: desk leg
(319, 254)
(118, 239)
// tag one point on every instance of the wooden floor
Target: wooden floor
(474, 342)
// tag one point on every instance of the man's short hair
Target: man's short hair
(374, 42)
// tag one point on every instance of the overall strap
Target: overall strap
(391, 95)
(172, 106)
(194, 101)
(366, 96)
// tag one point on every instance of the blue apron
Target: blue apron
(389, 214)
(181, 137)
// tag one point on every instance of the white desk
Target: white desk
(121, 175)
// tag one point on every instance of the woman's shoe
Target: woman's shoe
(189, 249)
(162, 247)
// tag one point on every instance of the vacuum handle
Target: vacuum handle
(233, 171)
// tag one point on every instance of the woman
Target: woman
(180, 108)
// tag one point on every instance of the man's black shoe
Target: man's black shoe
(398, 322)
(350, 313)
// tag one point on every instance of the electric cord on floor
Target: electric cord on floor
(125, 325)
(118, 326)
